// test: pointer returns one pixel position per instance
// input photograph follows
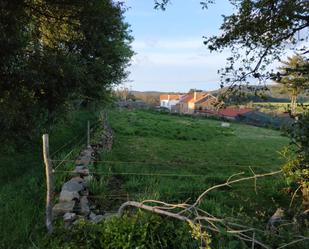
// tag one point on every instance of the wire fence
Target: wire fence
(117, 195)
(80, 140)
(171, 163)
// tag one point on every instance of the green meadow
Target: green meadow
(155, 156)
(174, 158)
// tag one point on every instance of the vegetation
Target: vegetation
(294, 78)
(22, 191)
(138, 231)
(297, 166)
(56, 51)
(175, 158)
(61, 55)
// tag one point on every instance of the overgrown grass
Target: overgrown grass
(22, 190)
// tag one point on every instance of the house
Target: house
(169, 100)
(196, 101)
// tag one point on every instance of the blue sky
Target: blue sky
(170, 55)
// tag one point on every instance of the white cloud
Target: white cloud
(174, 65)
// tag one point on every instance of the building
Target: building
(196, 101)
(169, 100)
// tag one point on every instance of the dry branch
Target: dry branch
(192, 214)
(156, 210)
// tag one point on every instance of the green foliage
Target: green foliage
(297, 166)
(22, 191)
(137, 231)
(294, 76)
(257, 34)
(52, 52)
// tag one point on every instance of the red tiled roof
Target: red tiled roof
(206, 97)
(189, 97)
(170, 96)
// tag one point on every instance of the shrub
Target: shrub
(297, 166)
(138, 231)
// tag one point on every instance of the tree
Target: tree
(52, 51)
(294, 77)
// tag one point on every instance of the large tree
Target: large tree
(294, 78)
(55, 50)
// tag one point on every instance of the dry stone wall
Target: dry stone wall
(73, 204)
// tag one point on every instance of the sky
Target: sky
(170, 55)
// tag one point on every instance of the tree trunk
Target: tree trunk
(293, 104)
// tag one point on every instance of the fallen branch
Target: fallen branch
(156, 210)
(192, 214)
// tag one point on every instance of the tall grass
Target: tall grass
(22, 187)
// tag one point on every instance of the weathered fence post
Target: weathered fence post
(88, 133)
(49, 184)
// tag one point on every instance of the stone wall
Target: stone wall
(73, 203)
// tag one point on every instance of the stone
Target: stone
(92, 216)
(72, 186)
(63, 207)
(78, 179)
(97, 218)
(69, 217)
(68, 195)
(275, 220)
(84, 205)
(81, 170)
(83, 161)
(225, 125)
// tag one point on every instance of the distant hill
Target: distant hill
(275, 93)
(150, 97)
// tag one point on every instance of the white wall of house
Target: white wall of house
(168, 103)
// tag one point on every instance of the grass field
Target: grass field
(199, 154)
(155, 156)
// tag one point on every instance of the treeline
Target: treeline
(255, 93)
(56, 51)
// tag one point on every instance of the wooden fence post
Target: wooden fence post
(88, 133)
(49, 184)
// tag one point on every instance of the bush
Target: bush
(138, 231)
(297, 166)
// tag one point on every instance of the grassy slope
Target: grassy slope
(22, 190)
(183, 145)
